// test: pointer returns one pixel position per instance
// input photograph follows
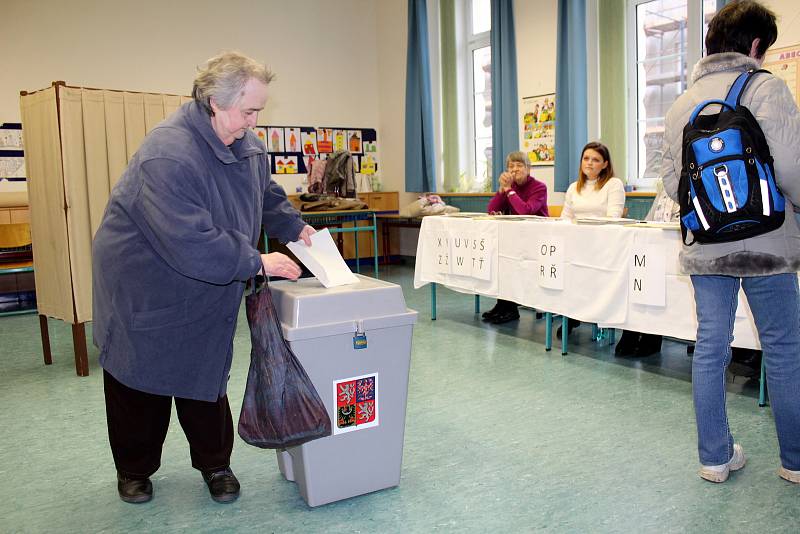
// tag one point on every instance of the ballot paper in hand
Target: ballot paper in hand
(323, 260)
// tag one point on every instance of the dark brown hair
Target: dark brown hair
(604, 175)
(737, 25)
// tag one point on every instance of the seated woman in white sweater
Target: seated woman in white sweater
(596, 193)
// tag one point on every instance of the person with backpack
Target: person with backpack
(733, 167)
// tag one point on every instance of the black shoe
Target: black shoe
(505, 317)
(539, 315)
(649, 344)
(222, 485)
(627, 343)
(572, 324)
(134, 490)
(488, 314)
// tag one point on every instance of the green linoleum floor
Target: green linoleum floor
(500, 436)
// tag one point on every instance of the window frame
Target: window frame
(694, 52)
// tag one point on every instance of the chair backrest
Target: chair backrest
(15, 236)
(554, 211)
(15, 246)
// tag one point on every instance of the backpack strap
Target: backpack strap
(700, 107)
(737, 89)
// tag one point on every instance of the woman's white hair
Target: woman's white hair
(223, 78)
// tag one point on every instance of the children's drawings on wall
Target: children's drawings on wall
(285, 164)
(325, 140)
(292, 139)
(354, 141)
(293, 149)
(275, 140)
(309, 142)
(261, 133)
(338, 140)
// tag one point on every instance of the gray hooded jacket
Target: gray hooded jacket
(771, 103)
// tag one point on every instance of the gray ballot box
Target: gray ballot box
(354, 341)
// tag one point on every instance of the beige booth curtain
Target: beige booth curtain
(78, 142)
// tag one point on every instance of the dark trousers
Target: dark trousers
(138, 424)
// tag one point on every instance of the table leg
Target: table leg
(477, 303)
(433, 302)
(79, 344)
(358, 256)
(48, 356)
(548, 331)
(564, 333)
(375, 242)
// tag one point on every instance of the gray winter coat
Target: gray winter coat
(770, 101)
(172, 254)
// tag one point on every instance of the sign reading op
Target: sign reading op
(550, 252)
(356, 403)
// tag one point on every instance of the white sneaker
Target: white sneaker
(719, 473)
(791, 476)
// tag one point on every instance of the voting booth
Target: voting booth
(354, 341)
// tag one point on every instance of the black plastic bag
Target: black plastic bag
(281, 407)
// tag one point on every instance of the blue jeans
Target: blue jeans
(775, 303)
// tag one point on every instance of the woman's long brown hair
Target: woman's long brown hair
(604, 175)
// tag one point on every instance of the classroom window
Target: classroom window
(665, 40)
(478, 63)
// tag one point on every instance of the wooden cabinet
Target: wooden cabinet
(14, 215)
(384, 201)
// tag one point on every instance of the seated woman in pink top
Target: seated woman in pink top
(518, 193)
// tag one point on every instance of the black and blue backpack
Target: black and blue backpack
(727, 188)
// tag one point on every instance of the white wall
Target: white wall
(788, 12)
(325, 54)
(535, 27)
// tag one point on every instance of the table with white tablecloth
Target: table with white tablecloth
(617, 276)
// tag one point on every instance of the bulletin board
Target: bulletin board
(785, 63)
(293, 149)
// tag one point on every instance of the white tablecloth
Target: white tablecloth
(596, 263)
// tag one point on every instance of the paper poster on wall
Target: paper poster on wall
(12, 157)
(538, 128)
(11, 136)
(292, 136)
(285, 164)
(309, 142)
(324, 140)
(12, 168)
(356, 164)
(357, 403)
(261, 133)
(370, 146)
(354, 141)
(368, 164)
(784, 63)
(339, 140)
(275, 140)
